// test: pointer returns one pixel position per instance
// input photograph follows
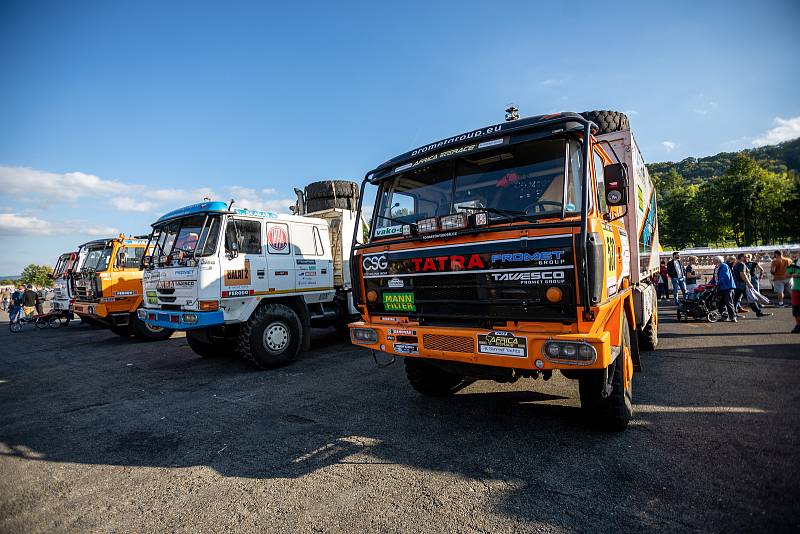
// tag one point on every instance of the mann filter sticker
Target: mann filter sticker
(403, 348)
(152, 298)
(238, 277)
(399, 302)
(503, 344)
(389, 230)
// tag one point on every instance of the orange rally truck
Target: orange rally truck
(107, 288)
(512, 251)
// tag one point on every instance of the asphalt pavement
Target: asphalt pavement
(100, 433)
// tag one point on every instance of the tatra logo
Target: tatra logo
(448, 263)
(375, 263)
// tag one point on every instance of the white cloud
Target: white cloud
(269, 191)
(784, 130)
(32, 184)
(130, 204)
(669, 146)
(17, 225)
(246, 197)
(551, 82)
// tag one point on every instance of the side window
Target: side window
(306, 240)
(249, 236)
(133, 257)
(402, 205)
(319, 248)
(601, 188)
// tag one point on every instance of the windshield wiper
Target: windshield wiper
(506, 213)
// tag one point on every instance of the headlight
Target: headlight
(141, 314)
(364, 335)
(426, 226)
(456, 221)
(577, 353)
(190, 318)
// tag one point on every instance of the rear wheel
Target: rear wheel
(272, 337)
(145, 332)
(54, 322)
(41, 323)
(613, 412)
(430, 380)
(648, 337)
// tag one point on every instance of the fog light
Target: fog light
(481, 218)
(372, 295)
(455, 221)
(364, 335)
(554, 294)
(539, 364)
(190, 318)
(141, 314)
(426, 226)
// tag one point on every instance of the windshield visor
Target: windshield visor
(193, 236)
(535, 179)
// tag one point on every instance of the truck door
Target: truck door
(314, 269)
(280, 260)
(245, 271)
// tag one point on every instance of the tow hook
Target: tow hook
(382, 365)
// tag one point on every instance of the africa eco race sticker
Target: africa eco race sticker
(238, 277)
(402, 348)
(503, 344)
(389, 230)
(399, 302)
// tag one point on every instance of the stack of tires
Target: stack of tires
(607, 121)
(331, 194)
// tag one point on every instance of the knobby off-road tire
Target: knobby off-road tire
(607, 121)
(332, 189)
(145, 332)
(320, 204)
(430, 380)
(614, 412)
(648, 337)
(271, 338)
(197, 341)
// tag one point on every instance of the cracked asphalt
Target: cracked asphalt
(98, 433)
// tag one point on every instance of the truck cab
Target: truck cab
(246, 281)
(505, 252)
(107, 288)
(66, 263)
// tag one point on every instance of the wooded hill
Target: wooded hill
(749, 197)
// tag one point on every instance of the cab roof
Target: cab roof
(215, 206)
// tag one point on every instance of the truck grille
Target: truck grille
(83, 293)
(448, 343)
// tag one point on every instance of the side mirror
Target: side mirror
(147, 261)
(121, 260)
(233, 249)
(615, 180)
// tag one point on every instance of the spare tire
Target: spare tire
(321, 204)
(607, 121)
(332, 189)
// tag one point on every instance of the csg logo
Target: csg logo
(375, 262)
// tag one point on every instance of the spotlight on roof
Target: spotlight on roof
(512, 112)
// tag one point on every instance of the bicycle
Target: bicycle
(41, 321)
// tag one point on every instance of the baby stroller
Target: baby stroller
(700, 304)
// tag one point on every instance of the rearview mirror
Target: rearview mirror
(615, 180)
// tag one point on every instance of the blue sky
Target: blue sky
(114, 112)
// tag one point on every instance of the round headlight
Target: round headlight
(372, 295)
(568, 350)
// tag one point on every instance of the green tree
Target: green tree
(38, 275)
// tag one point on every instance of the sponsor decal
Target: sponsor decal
(395, 282)
(307, 273)
(639, 198)
(448, 263)
(463, 137)
(503, 344)
(257, 213)
(184, 283)
(306, 262)
(402, 332)
(107, 299)
(548, 257)
(375, 264)
(531, 277)
(426, 237)
(238, 277)
(399, 302)
(208, 262)
(124, 293)
(434, 157)
(389, 230)
(403, 348)
(281, 273)
(152, 297)
(390, 319)
(278, 238)
(237, 293)
(493, 142)
(184, 272)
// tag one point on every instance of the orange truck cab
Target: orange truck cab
(107, 287)
(512, 251)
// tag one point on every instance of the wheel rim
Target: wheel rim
(276, 337)
(15, 327)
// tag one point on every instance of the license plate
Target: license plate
(503, 344)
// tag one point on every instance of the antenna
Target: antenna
(512, 112)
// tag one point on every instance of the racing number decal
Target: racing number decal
(611, 261)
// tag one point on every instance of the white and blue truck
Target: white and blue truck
(253, 282)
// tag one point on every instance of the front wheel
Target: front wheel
(54, 322)
(271, 338)
(433, 381)
(713, 316)
(615, 411)
(15, 327)
(145, 332)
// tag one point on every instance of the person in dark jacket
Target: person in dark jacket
(741, 278)
(29, 298)
(677, 273)
(663, 288)
(725, 287)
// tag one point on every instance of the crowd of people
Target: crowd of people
(738, 283)
(25, 301)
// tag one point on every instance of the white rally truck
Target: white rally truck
(62, 293)
(251, 282)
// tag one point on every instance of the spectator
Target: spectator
(756, 272)
(5, 303)
(40, 298)
(778, 269)
(725, 286)
(691, 276)
(663, 288)
(677, 274)
(741, 277)
(15, 312)
(29, 298)
(794, 271)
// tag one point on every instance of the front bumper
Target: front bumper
(89, 308)
(176, 320)
(465, 345)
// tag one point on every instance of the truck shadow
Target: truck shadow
(158, 405)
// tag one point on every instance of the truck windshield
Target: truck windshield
(196, 235)
(61, 266)
(97, 258)
(512, 182)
